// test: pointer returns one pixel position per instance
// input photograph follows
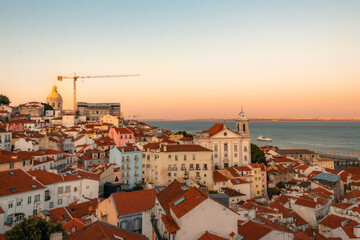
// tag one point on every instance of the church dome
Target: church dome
(54, 94)
(54, 99)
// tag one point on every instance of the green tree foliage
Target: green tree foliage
(184, 133)
(4, 100)
(137, 187)
(257, 156)
(280, 185)
(273, 192)
(33, 228)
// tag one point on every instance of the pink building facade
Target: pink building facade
(121, 136)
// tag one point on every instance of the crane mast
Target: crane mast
(76, 77)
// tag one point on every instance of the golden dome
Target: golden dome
(54, 94)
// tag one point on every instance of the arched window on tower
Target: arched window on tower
(244, 128)
(53, 104)
(58, 105)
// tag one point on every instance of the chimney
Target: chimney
(357, 231)
(14, 156)
(165, 148)
(7, 127)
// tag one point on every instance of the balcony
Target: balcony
(183, 168)
(191, 168)
(169, 168)
(197, 168)
(197, 177)
(174, 168)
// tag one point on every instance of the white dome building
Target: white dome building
(54, 99)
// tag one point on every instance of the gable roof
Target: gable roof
(17, 181)
(134, 202)
(49, 178)
(104, 231)
(210, 236)
(218, 177)
(169, 193)
(187, 202)
(254, 230)
(216, 128)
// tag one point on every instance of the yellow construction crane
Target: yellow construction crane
(76, 77)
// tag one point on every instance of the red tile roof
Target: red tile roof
(49, 178)
(218, 177)
(184, 148)
(254, 230)
(17, 181)
(170, 223)
(104, 231)
(210, 236)
(187, 202)
(134, 202)
(123, 130)
(168, 194)
(333, 221)
(74, 224)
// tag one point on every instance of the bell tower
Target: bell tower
(242, 125)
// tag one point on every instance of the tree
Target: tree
(33, 228)
(280, 185)
(137, 187)
(257, 156)
(273, 192)
(4, 100)
(184, 133)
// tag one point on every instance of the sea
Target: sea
(335, 135)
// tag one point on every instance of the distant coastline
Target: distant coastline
(265, 119)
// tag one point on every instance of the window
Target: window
(169, 155)
(87, 187)
(29, 200)
(193, 156)
(60, 190)
(235, 148)
(244, 128)
(215, 156)
(75, 189)
(37, 198)
(205, 166)
(245, 158)
(225, 146)
(10, 205)
(11, 165)
(67, 189)
(184, 157)
(24, 163)
(176, 157)
(191, 166)
(123, 225)
(197, 166)
(215, 148)
(245, 149)
(59, 201)
(235, 155)
(51, 204)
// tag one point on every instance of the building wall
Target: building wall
(131, 164)
(17, 165)
(238, 149)
(206, 217)
(158, 167)
(107, 211)
(114, 120)
(5, 140)
(26, 208)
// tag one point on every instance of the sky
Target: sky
(196, 59)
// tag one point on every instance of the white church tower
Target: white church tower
(242, 125)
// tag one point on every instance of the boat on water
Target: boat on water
(261, 138)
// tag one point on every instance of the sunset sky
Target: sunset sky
(197, 59)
